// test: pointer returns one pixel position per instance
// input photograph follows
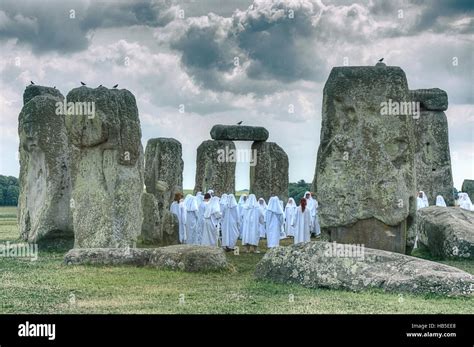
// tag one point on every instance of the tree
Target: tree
(9, 190)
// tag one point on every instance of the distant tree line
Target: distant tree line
(297, 190)
(9, 190)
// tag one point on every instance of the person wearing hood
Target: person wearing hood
(192, 219)
(240, 209)
(274, 219)
(465, 202)
(302, 223)
(421, 200)
(211, 193)
(202, 207)
(290, 211)
(212, 215)
(250, 228)
(178, 208)
(316, 226)
(310, 205)
(230, 223)
(262, 205)
(440, 201)
(223, 204)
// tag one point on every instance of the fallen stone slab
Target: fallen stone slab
(238, 133)
(448, 232)
(188, 258)
(338, 266)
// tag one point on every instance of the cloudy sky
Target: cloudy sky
(184, 52)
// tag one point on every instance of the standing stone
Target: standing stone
(468, 187)
(215, 167)
(169, 229)
(432, 158)
(44, 166)
(163, 170)
(238, 133)
(269, 171)
(365, 175)
(151, 228)
(107, 168)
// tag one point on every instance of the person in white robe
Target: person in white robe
(440, 201)
(316, 226)
(262, 205)
(212, 215)
(302, 223)
(192, 219)
(223, 204)
(310, 205)
(230, 224)
(240, 208)
(465, 202)
(178, 208)
(282, 227)
(199, 197)
(202, 208)
(274, 217)
(250, 228)
(290, 210)
(421, 200)
(210, 192)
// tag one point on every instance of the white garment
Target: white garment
(290, 211)
(180, 211)
(274, 220)
(440, 201)
(262, 205)
(421, 202)
(316, 227)
(212, 214)
(230, 223)
(425, 199)
(240, 209)
(202, 208)
(250, 228)
(465, 202)
(223, 203)
(192, 219)
(311, 206)
(302, 224)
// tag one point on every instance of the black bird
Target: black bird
(99, 86)
(115, 87)
(31, 82)
(54, 87)
(238, 123)
(380, 60)
(83, 83)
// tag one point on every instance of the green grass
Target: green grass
(48, 286)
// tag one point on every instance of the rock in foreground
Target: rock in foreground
(312, 265)
(447, 232)
(188, 258)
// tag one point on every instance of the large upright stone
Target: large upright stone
(238, 133)
(215, 167)
(432, 157)
(107, 168)
(365, 177)
(269, 171)
(151, 230)
(468, 187)
(163, 170)
(44, 163)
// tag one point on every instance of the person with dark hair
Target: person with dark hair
(302, 223)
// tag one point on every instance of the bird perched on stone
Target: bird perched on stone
(54, 87)
(380, 60)
(238, 123)
(83, 83)
(115, 87)
(99, 86)
(31, 82)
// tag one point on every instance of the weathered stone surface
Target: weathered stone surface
(107, 168)
(238, 133)
(312, 265)
(163, 170)
(432, 158)
(189, 258)
(269, 171)
(448, 232)
(34, 90)
(151, 226)
(468, 187)
(169, 229)
(365, 166)
(44, 166)
(215, 168)
(433, 99)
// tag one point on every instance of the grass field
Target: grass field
(48, 286)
